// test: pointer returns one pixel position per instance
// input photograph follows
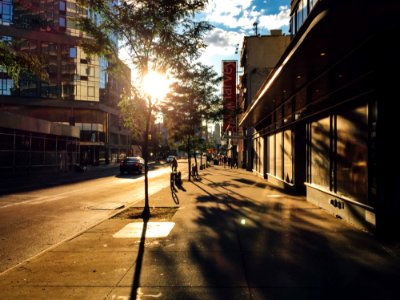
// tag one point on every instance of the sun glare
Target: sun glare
(156, 85)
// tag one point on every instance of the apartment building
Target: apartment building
(79, 91)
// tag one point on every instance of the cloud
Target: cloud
(275, 21)
(221, 41)
(228, 13)
(241, 14)
(234, 19)
(222, 45)
(222, 38)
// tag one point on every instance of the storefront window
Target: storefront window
(287, 156)
(352, 154)
(279, 155)
(256, 153)
(261, 154)
(320, 149)
(271, 154)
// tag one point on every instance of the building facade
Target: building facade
(79, 92)
(324, 112)
(258, 57)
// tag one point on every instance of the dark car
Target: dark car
(131, 165)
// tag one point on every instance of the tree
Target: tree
(158, 35)
(15, 62)
(195, 100)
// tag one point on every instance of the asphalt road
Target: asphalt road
(34, 220)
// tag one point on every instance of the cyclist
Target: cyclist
(174, 164)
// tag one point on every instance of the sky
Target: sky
(234, 19)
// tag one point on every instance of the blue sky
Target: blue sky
(234, 19)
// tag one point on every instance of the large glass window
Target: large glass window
(6, 85)
(28, 88)
(6, 12)
(261, 167)
(279, 155)
(320, 152)
(352, 154)
(256, 150)
(287, 156)
(103, 72)
(271, 154)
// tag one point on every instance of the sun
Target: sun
(156, 85)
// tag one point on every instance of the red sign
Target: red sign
(229, 95)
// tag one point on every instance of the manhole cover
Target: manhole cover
(153, 230)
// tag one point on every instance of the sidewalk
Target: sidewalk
(234, 237)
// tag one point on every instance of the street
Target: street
(36, 220)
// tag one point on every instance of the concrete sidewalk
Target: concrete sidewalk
(234, 237)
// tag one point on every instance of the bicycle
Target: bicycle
(172, 179)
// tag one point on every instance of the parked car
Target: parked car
(170, 158)
(132, 165)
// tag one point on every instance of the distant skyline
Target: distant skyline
(234, 19)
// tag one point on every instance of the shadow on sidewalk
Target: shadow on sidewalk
(135, 293)
(250, 241)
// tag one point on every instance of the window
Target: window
(6, 12)
(278, 155)
(311, 4)
(6, 85)
(62, 21)
(28, 88)
(103, 72)
(271, 154)
(62, 6)
(287, 156)
(72, 52)
(90, 91)
(352, 154)
(320, 153)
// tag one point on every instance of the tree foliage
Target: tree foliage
(15, 62)
(158, 35)
(194, 100)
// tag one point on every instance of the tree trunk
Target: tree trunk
(145, 152)
(189, 158)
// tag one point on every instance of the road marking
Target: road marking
(37, 200)
(34, 199)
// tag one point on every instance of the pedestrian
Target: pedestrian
(174, 164)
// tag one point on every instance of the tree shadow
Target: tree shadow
(139, 261)
(283, 248)
(234, 245)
